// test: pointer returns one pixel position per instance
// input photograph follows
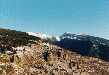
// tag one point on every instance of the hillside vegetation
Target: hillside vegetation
(12, 38)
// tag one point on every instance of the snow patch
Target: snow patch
(40, 35)
(43, 36)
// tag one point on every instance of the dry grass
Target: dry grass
(60, 62)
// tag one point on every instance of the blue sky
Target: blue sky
(56, 16)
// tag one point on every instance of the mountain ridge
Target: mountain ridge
(80, 43)
(85, 45)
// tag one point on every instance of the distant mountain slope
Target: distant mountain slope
(85, 45)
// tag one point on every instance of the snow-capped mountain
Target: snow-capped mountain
(81, 36)
(85, 44)
(69, 35)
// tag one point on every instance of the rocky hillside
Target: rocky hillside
(45, 59)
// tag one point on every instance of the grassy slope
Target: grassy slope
(12, 38)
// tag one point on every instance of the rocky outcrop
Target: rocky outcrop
(47, 59)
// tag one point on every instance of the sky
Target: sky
(56, 16)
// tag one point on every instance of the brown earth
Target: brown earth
(46, 59)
